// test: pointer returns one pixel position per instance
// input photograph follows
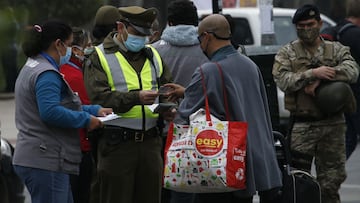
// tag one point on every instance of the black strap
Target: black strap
(343, 28)
(150, 55)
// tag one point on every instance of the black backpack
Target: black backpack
(334, 33)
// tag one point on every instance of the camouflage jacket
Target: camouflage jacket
(293, 64)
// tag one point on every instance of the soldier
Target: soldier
(126, 74)
(304, 69)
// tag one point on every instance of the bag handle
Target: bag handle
(207, 108)
(226, 103)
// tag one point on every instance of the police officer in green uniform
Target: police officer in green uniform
(125, 74)
(305, 69)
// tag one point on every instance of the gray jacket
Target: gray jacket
(247, 100)
(40, 145)
(181, 52)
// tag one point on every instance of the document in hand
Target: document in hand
(109, 117)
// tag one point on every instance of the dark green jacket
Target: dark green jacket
(96, 81)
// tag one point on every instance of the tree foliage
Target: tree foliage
(74, 12)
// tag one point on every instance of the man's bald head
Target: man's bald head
(217, 24)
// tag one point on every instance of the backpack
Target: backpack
(334, 33)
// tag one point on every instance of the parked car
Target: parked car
(248, 34)
(248, 25)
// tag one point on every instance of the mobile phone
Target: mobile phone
(164, 90)
(162, 107)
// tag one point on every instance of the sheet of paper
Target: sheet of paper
(109, 117)
(152, 107)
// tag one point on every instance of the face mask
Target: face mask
(88, 50)
(65, 59)
(308, 35)
(204, 50)
(134, 43)
(81, 58)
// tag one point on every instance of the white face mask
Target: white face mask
(81, 58)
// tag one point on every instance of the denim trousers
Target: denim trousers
(45, 186)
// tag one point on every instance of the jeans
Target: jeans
(46, 186)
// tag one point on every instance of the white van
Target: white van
(247, 25)
(248, 33)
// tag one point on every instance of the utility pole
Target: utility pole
(217, 6)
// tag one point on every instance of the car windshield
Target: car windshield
(284, 30)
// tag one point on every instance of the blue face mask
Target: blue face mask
(135, 43)
(65, 59)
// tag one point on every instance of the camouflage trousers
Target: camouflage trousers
(326, 145)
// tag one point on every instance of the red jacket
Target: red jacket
(74, 76)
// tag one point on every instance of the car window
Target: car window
(325, 25)
(242, 34)
(284, 30)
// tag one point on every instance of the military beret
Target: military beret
(306, 12)
(139, 18)
(107, 15)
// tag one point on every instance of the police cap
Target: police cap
(107, 15)
(139, 18)
(333, 97)
(306, 12)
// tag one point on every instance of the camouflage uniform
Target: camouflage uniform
(315, 135)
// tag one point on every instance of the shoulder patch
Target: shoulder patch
(31, 63)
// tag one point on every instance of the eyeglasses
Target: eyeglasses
(200, 36)
(78, 47)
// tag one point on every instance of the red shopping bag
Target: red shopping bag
(208, 155)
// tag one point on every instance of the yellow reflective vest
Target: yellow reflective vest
(122, 77)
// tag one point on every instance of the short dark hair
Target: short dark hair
(38, 38)
(182, 12)
(101, 31)
(80, 37)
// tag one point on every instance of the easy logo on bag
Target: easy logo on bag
(209, 142)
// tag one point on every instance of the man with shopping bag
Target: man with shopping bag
(247, 103)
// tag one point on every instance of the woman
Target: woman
(47, 115)
(73, 74)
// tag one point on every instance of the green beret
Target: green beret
(107, 15)
(306, 12)
(139, 18)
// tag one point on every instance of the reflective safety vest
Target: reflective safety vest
(123, 78)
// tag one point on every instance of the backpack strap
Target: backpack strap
(343, 28)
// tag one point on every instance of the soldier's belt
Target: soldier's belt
(307, 119)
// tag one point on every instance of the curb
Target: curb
(6, 95)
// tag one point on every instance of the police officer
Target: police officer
(300, 68)
(125, 74)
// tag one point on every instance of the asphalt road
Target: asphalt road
(350, 190)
